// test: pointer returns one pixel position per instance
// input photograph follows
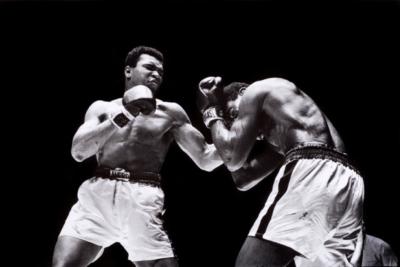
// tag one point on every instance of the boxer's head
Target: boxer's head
(232, 96)
(144, 65)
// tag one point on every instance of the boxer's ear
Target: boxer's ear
(128, 72)
(241, 90)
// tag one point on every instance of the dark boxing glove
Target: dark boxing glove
(209, 99)
(210, 93)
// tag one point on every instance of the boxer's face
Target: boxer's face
(232, 108)
(148, 71)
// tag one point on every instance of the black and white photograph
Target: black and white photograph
(201, 133)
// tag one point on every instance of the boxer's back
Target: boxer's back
(292, 118)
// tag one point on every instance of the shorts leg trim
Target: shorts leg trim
(282, 188)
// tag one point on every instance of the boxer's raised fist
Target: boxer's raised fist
(210, 93)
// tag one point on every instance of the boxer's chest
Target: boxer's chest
(148, 128)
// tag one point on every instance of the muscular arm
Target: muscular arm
(93, 133)
(234, 144)
(192, 142)
(256, 168)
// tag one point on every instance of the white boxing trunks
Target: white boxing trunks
(116, 210)
(315, 207)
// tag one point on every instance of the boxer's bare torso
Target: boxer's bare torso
(280, 116)
(141, 145)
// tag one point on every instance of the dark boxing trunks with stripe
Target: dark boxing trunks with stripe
(149, 178)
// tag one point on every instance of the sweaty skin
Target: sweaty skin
(142, 145)
(284, 116)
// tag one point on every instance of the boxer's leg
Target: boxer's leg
(260, 252)
(73, 252)
(166, 262)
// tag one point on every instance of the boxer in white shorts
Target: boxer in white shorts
(116, 209)
(130, 137)
(315, 207)
(314, 212)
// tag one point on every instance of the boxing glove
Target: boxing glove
(210, 93)
(139, 99)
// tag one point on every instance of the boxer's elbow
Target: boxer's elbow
(210, 159)
(204, 164)
(77, 154)
(240, 180)
(233, 162)
(232, 167)
(245, 180)
(245, 186)
(207, 167)
(78, 157)
(80, 151)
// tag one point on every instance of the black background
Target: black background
(59, 57)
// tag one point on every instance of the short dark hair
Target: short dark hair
(133, 55)
(231, 91)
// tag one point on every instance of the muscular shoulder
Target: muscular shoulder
(271, 86)
(276, 90)
(173, 110)
(99, 108)
(271, 89)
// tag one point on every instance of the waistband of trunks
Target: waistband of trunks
(149, 178)
(313, 151)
